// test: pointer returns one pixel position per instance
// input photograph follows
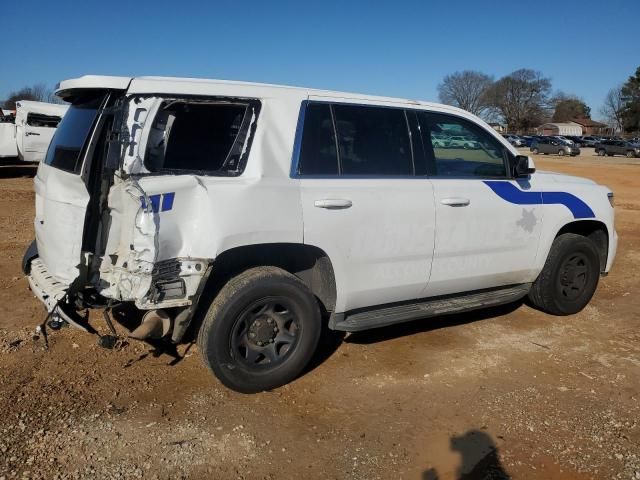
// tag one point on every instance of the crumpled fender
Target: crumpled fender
(132, 246)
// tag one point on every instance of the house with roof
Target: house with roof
(589, 126)
(559, 128)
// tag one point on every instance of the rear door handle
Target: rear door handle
(31, 133)
(333, 203)
(455, 201)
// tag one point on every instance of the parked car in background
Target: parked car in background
(514, 140)
(618, 147)
(589, 141)
(552, 145)
(577, 141)
(564, 139)
(460, 141)
(36, 122)
(528, 140)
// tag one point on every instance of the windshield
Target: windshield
(66, 145)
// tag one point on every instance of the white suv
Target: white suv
(247, 215)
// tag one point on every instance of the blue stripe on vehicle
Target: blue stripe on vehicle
(512, 194)
(155, 203)
(167, 201)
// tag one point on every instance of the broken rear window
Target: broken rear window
(202, 136)
(40, 120)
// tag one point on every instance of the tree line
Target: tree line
(524, 99)
(38, 92)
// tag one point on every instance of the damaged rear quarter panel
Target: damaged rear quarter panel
(193, 218)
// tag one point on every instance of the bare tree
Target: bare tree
(38, 92)
(466, 90)
(522, 99)
(613, 109)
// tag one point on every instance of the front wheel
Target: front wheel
(630, 154)
(561, 152)
(569, 277)
(601, 153)
(261, 330)
(536, 151)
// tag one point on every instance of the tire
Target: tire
(561, 153)
(536, 151)
(601, 153)
(250, 305)
(630, 154)
(559, 290)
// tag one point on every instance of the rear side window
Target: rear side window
(208, 137)
(40, 120)
(318, 152)
(342, 139)
(373, 140)
(460, 148)
(73, 131)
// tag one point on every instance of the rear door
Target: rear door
(485, 235)
(61, 191)
(362, 203)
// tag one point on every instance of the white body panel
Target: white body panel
(61, 201)
(396, 242)
(33, 141)
(380, 247)
(8, 145)
(487, 242)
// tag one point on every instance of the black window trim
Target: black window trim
(295, 161)
(249, 101)
(430, 163)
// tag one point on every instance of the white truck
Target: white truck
(28, 135)
(251, 215)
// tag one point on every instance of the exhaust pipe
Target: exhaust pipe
(155, 324)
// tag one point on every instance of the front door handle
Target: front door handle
(333, 203)
(31, 133)
(455, 201)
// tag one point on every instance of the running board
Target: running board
(383, 316)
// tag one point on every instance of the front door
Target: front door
(362, 203)
(484, 237)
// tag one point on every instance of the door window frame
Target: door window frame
(423, 163)
(297, 148)
(430, 155)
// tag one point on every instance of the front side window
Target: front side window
(40, 120)
(201, 136)
(373, 140)
(72, 133)
(460, 148)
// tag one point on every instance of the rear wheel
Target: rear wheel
(601, 152)
(569, 277)
(261, 330)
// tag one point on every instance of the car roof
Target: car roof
(200, 86)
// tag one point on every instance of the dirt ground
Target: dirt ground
(508, 392)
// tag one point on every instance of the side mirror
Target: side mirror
(522, 166)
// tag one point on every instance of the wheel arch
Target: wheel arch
(310, 264)
(594, 230)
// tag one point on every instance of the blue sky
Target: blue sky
(390, 48)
